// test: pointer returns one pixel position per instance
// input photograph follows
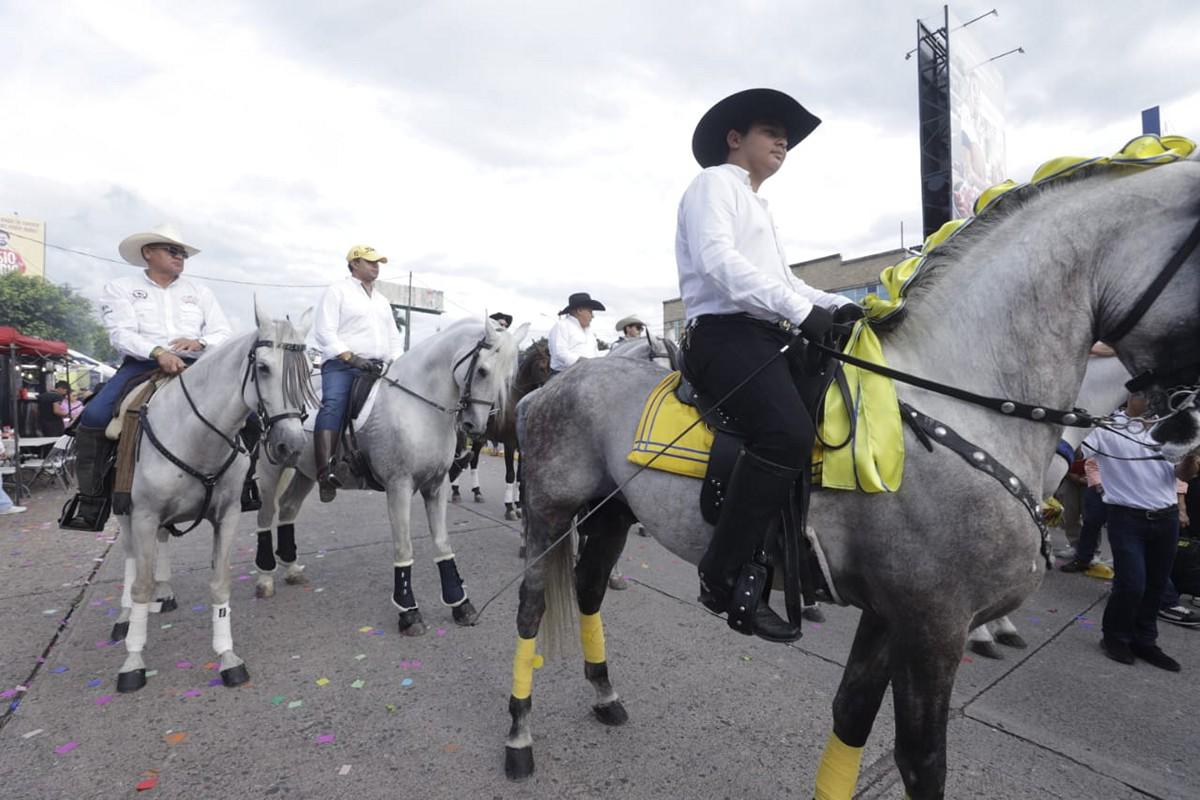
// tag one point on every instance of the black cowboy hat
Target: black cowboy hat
(582, 300)
(739, 110)
(500, 316)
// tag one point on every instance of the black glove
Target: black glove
(818, 323)
(848, 313)
(365, 364)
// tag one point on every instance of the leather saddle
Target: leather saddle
(354, 457)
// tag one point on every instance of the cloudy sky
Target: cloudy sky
(512, 153)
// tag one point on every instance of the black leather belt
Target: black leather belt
(1152, 514)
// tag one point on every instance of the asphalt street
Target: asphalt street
(341, 705)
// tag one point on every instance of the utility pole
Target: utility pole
(408, 315)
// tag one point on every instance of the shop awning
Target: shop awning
(30, 345)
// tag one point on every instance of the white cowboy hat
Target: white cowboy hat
(131, 246)
(632, 319)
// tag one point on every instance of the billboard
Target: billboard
(431, 301)
(977, 152)
(22, 246)
(933, 101)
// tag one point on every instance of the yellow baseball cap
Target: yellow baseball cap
(365, 253)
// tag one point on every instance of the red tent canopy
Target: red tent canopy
(30, 345)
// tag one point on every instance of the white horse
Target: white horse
(190, 468)
(456, 378)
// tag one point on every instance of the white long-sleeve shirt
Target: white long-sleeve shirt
(140, 315)
(349, 319)
(729, 257)
(569, 342)
(1148, 485)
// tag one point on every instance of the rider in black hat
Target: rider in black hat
(571, 337)
(741, 298)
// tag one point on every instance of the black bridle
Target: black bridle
(465, 400)
(236, 448)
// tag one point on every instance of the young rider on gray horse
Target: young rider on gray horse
(741, 300)
(158, 319)
(355, 332)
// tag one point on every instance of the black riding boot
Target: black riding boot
(324, 447)
(251, 434)
(731, 579)
(89, 509)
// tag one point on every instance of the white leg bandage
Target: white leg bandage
(130, 577)
(135, 640)
(474, 478)
(222, 630)
(510, 493)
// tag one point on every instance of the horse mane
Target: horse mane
(297, 370)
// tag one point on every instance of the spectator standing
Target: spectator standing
(7, 506)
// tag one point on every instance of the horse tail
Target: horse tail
(558, 580)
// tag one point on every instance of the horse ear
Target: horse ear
(518, 335)
(261, 317)
(305, 324)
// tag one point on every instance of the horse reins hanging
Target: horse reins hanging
(465, 400)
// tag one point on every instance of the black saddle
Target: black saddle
(355, 458)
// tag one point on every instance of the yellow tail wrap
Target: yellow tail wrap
(525, 661)
(591, 636)
(838, 773)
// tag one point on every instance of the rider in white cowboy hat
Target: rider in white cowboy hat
(356, 333)
(157, 319)
(631, 327)
(571, 337)
(737, 289)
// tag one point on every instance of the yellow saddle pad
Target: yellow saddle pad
(872, 462)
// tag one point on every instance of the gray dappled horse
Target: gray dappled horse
(647, 348)
(454, 378)
(1007, 308)
(190, 467)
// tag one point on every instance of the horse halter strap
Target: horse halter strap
(465, 400)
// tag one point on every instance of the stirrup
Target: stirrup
(85, 513)
(251, 496)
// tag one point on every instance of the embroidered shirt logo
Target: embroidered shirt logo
(140, 294)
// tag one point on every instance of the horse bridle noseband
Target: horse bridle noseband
(465, 400)
(265, 418)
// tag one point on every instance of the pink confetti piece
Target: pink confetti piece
(7, 693)
(63, 749)
(192, 693)
(104, 699)
(105, 643)
(416, 663)
(441, 631)
(183, 664)
(325, 738)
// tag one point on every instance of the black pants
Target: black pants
(721, 352)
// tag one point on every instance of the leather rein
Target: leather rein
(266, 419)
(465, 399)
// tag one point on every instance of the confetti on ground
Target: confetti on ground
(215, 682)
(192, 693)
(63, 749)
(441, 631)
(319, 589)
(967, 660)
(151, 673)
(31, 734)
(745, 658)
(199, 607)
(104, 699)
(390, 707)
(211, 665)
(345, 770)
(295, 704)
(358, 684)
(377, 632)
(7, 693)
(175, 738)
(406, 682)
(243, 577)
(277, 699)
(59, 670)
(451, 747)
(325, 738)
(149, 782)
(366, 629)
(183, 664)
(166, 627)
(50, 611)
(105, 643)
(360, 656)
(322, 681)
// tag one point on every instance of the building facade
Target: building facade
(855, 278)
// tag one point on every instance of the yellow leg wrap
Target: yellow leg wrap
(838, 773)
(525, 661)
(591, 636)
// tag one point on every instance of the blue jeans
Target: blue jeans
(1095, 514)
(1143, 553)
(99, 410)
(5, 501)
(336, 379)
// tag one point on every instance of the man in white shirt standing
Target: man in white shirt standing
(356, 333)
(156, 319)
(742, 301)
(571, 338)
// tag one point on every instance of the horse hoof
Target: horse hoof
(131, 681)
(478, 497)
(456, 498)
(465, 614)
(411, 623)
(641, 530)
(509, 514)
(518, 763)
(168, 605)
(611, 713)
(235, 676)
(520, 514)
(987, 650)
(298, 579)
(119, 632)
(813, 614)
(1011, 639)
(263, 591)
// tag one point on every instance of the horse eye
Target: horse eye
(482, 372)
(264, 369)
